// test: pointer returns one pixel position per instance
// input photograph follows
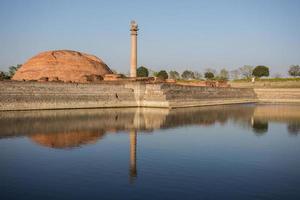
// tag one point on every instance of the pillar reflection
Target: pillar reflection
(132, 165)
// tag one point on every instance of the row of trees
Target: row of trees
(186, 75)
(246, 72)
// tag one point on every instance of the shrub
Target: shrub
(122, 76)
(209, 75)
(4, 76)
(260, 71)
(162, 75)
(142, 72)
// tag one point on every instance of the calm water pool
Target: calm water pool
(217, 152)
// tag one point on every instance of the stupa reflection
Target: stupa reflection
(66, 140)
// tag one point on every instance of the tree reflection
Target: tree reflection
(294, 128)
(44, 127)
(260, 127)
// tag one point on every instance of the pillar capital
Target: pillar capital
(133, 27)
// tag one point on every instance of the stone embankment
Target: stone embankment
(287, 91)
(16, 95)
(278, 95)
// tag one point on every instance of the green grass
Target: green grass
(268, 80)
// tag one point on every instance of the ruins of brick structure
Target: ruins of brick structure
(63, 65)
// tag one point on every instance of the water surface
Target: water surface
(217, 152)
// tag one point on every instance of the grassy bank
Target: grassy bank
(267, 83)
(268, 80)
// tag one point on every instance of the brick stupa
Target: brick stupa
(63, 65)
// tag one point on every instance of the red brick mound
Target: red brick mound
(62, 65)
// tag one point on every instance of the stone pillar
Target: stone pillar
(132, 167)
(133, 57)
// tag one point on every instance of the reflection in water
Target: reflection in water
(66, 140)
(294, 128)
(63, 129)
(259, 127)
(132, 167)
(77, 127)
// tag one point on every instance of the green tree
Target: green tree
(162, 75)
(294, 70)
(142, 72)
(209, 75)
(260, 71)
(187, 74)
(13, 69)
(174, 75)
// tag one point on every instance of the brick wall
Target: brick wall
(49, 95)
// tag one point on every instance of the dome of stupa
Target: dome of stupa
(62, 65)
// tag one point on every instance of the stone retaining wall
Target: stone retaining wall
(278, 95)
(188, 96)
(36, 95)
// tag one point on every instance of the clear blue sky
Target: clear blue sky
(174, 34)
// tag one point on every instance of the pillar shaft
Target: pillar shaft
(133, 56)
(133, 60)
